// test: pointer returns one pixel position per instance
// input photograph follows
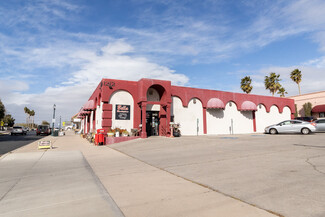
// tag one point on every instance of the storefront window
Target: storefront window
(322, 114)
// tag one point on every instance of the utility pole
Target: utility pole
(53, 119)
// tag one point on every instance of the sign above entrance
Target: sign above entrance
(109, 84)
(122, 112)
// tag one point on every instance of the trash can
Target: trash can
(100, 137)
(56, 132)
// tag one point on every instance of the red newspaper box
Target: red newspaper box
(101, 137)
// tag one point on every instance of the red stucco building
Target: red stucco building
(151, 105)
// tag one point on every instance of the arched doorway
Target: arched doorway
(156, 115)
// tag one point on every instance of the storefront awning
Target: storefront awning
(248, 106)
(90, 105)
(215, 103)
(318, 108)
(84, 113)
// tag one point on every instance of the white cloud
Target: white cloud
(214, 37)
(112, 62)
(176, 34)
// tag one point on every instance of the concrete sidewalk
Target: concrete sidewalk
(138, 189)
(52, 184)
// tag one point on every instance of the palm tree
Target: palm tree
(32, 114)
(245, 84)
(272, 83)
(27, 111)
(282, 91)
(296, 77)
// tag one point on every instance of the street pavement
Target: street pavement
(76, 178)
(9, 143)
(281, 173)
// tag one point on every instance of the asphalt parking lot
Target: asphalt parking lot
(283, 174)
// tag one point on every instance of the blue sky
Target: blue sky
(57, 51)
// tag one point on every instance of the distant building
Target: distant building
(74, 123)
(151, 105)
(317, 100)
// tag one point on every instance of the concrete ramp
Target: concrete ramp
(52, 184)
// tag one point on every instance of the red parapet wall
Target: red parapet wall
(112, 140)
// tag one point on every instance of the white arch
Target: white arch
(122, 97)
(264, 119)
(215, 121)
(187, 116)
(233, 120)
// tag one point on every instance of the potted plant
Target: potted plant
(111, 132)
(117, 132)
(125, 133)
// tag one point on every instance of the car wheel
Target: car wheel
(305, 131)
(273, 131)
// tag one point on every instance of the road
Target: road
(9, 143)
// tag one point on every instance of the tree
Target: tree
(27, 111)
(32, 114)
(307, 108)
(296, 77)
(2, 110)
(272, 83)
(282, 91)
(296, 112)
(9, 120)
(245, 84)
(45, 123)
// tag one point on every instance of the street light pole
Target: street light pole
(53, 119)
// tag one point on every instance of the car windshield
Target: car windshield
(43, 127)
(17, 127)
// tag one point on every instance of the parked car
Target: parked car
(320, 125)
(291, 126)
(18, 130)
(68, 128)
(43, 130)
(25, 129)
(308, 119)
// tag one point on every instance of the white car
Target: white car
(68, 128)
(291, 126)
(320, 125)
(18, 130)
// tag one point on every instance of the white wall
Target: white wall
(86, 125)
(286, 114)
(82, 125)
(187, 116)
(264, 119)
(99, 114)
(219, 121)
(91, 121)
(123, 98)
(215, 122)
